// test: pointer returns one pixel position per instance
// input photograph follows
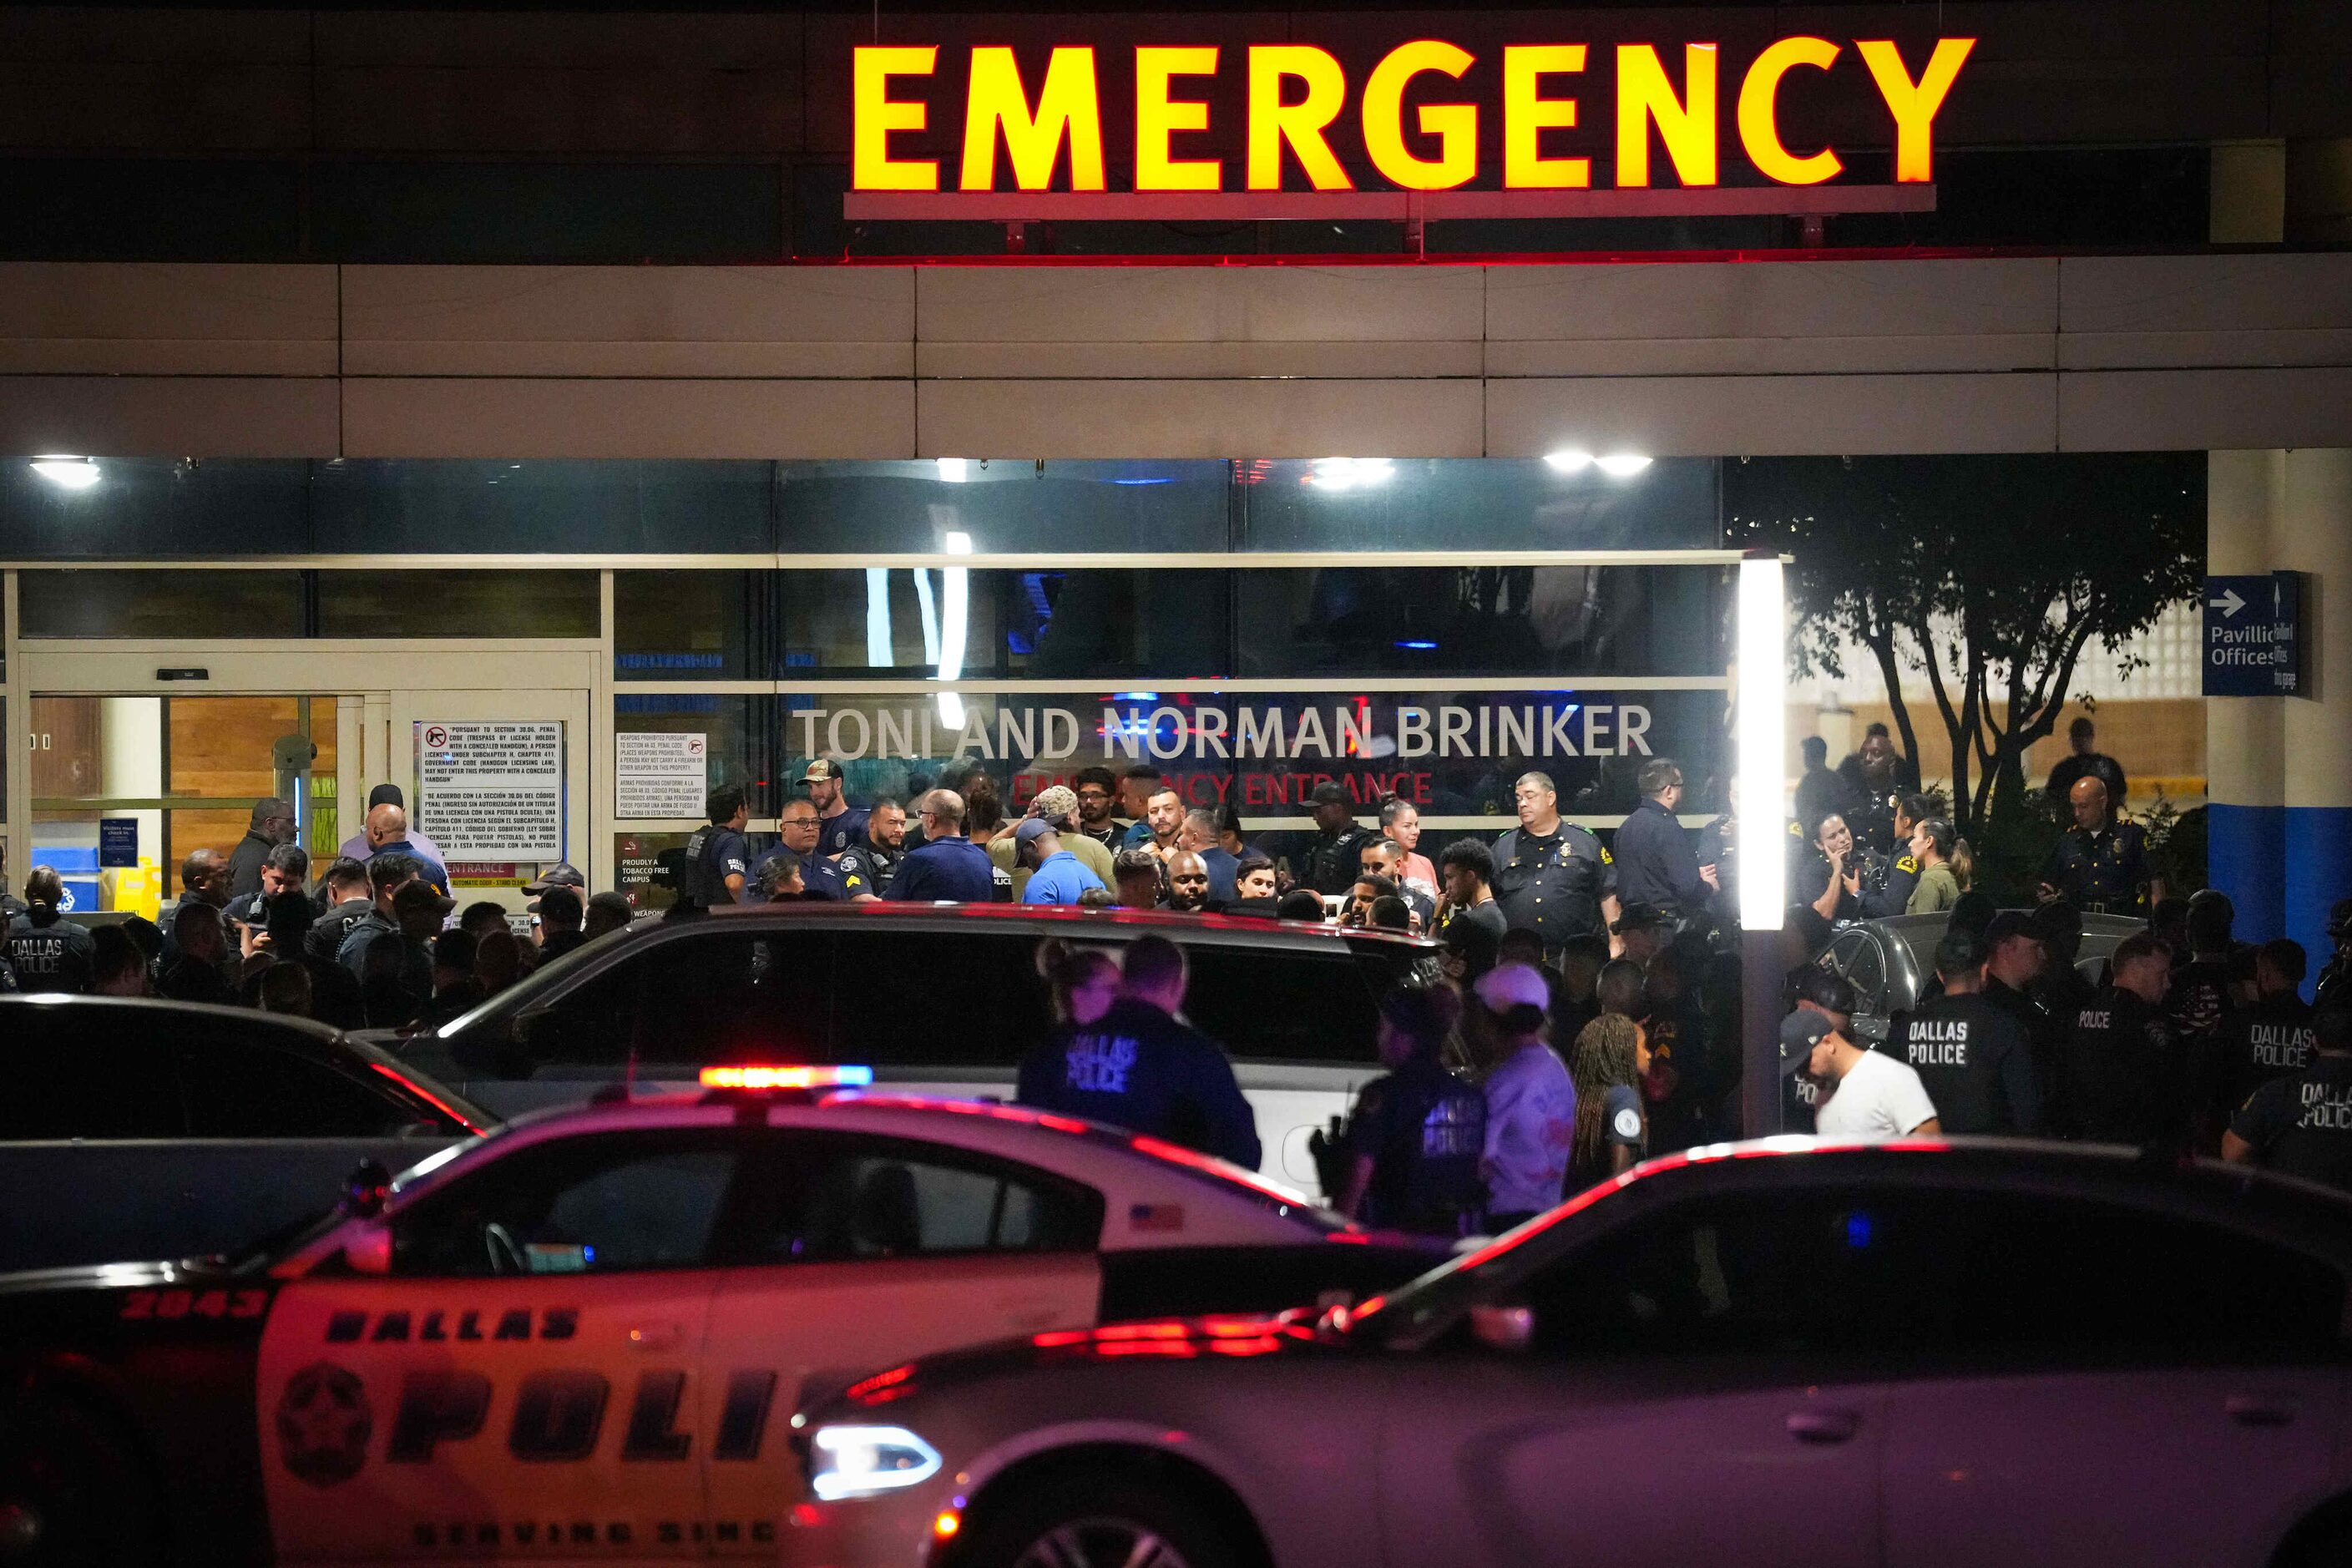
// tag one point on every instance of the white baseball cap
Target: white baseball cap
(1508, 985)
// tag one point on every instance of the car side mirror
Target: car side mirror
(1506, 1327)
(365, 1189)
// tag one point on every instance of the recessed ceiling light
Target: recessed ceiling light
(66, 473)
(1569, 462)
(1622, 465)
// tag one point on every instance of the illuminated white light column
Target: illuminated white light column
(1762, 696)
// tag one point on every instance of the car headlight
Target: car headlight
(860, 1461)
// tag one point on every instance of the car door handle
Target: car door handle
(2255, 1410)
(1823, 1425)
(659, 1335)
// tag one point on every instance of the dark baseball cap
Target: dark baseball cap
(421, 896)
(1960, 951)
(1329, 792)
(1030, 828)
(823, 768)
(563, 873)
(2009, 924)
(1800, 1031)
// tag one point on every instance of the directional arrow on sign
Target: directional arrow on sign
(2228, 603)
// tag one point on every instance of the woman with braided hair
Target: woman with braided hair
(1606, 1065)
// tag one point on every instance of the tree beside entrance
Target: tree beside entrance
(1987, 576)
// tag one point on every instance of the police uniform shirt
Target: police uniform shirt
(1809, 877)
(2271, 1039)
(952, 869)
(825, 880)
(1655, 862)
(1552, 885)
(1872, 820)
(1718, 845)
(2105, 872)
(2122, 1072)
(867, 868)
(1424, 1128)
(2301, 1124)
(49, 954)
(1138, 1068)
(1886, 885)
(725, 855)
(1976, 1063)
(1335, 860)
(836, 834)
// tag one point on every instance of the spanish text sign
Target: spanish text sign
(491, 789)
(2253, 627)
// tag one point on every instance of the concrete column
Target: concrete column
(2245, 787)
(2316, 832)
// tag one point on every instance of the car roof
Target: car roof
(303, 1037)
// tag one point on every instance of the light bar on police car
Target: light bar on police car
(744, 1076)
(860, 1461)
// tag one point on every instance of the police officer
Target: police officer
(1973, 1057)
(2122, 1075)
(1889, 880)
(840, 824)
(798, 830)
(2301, 1124)
(1334, 860)
(1552, 878)
(46, 950)
(867, 867)
(2102, 863)
(1655, 863)
(1410, 1154)
(717, 863)
(2272, 1038)
(2335, 982)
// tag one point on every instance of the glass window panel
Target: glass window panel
(689, 625)
(457, 604)
(76, 604)
(1003, 506)
(158, 507)
(1483, 620)
(738, 732)
(1112, 625)
(153, 209)
(1488, 503)
(458, 505)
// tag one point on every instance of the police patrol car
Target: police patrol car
(580, 1336)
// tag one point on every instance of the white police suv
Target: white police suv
(1911, 1355)
(581, 1336)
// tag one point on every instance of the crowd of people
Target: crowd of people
(364, 941)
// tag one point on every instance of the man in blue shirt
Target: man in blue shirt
(797, 830)
(949, 867)
(1056, 875)
(1199, 835)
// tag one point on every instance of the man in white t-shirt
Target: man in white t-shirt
(1530, 1100)
(1869, 1094)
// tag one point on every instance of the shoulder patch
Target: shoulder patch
(1607, 858)
(1628, 1122)
(1907, 863)
(1795, 831)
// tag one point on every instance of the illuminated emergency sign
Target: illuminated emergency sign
(1412, 117)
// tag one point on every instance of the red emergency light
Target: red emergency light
(800, 1076)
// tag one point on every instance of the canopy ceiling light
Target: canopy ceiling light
(67, 473)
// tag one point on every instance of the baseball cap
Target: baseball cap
(1800, 1031)
(823, 768)
(1053, 802)
(387, 794)
(1329, 792)
(421, 896)
(563, 873)
(1030, 828)
(1508, 985)
(2009, 924)
(1960, 951)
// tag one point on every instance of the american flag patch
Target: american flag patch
(1155, 1216)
